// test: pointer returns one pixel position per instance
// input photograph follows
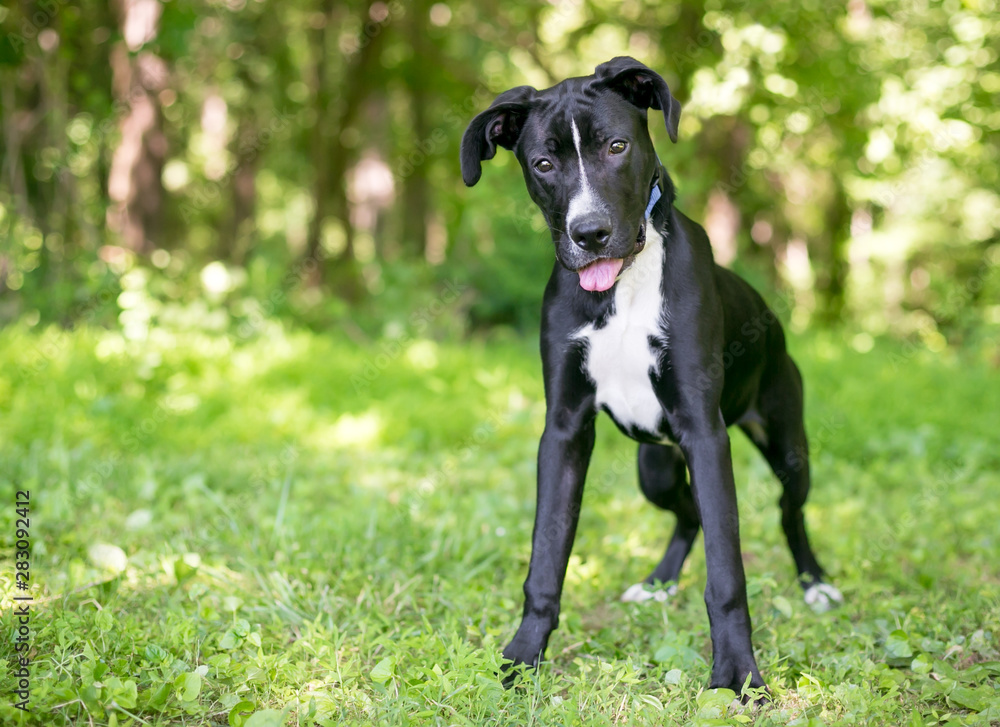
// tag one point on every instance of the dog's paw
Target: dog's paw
(522, 654)
(822, 597)
(644, 592)
(514, 668)
(750, 692)
(512, 672)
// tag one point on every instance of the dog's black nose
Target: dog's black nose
(590, 233)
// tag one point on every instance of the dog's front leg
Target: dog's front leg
(563, 456)
(708, 454)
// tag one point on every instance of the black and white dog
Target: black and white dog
(639, 321)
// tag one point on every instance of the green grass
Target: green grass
(312, 551)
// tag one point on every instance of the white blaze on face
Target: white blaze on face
(584, 201)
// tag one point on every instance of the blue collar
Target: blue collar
(654, 193)
(654, 197)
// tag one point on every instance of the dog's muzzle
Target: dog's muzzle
(602, 274)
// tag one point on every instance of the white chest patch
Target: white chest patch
(619, 358)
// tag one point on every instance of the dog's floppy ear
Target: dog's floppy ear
(499, 124)
(642, 87)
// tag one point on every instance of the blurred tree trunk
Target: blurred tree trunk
(135, 183)
(12, 170)
(416, 188)
(320, 141)
(237, 239)
(12, 179)
(689, 29)
(833, 268)
(331, 157)
(54, 101)
(725, 140)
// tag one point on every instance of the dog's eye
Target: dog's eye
(617, 147)
(543, 165)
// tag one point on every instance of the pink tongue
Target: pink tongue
(600, 275)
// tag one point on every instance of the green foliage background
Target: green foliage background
(855, 143)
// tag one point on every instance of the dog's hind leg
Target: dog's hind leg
(663, 480)
(779, 433)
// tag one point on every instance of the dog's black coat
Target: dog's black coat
(720, 360)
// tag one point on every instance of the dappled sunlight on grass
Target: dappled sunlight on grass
(349, 431)
(279, 520)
